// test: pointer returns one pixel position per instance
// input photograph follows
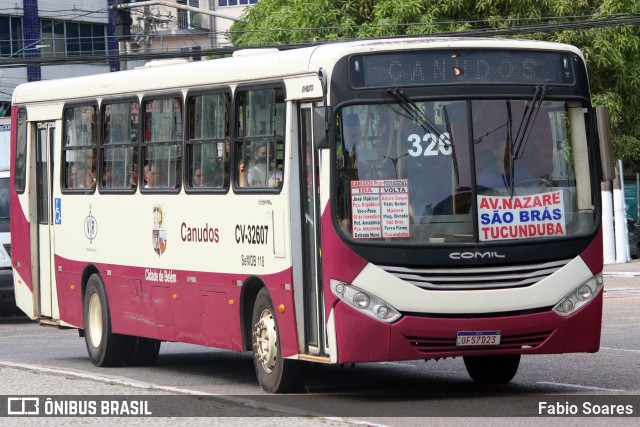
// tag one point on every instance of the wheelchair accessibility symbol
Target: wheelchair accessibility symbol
(58, 211)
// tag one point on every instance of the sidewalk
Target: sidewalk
(631, 268)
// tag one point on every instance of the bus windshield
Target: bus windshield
(464, 171)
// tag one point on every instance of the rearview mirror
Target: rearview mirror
(321, 128)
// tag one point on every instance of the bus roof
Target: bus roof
(254, 68)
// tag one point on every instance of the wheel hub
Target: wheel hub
(266, 341)
(95, 320)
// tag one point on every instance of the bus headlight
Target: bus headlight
(364, 302)
(584, 292)
(361, 300)
(579, 296)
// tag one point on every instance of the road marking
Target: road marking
(578, 386)
(620, 349)
(156, 387)
(398, 364)
(620, 273)
(82, 375)
(621, 293)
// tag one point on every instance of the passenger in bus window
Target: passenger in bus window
(72, 171)
(309, 169)
(133, 178)
(261, 172)
(94, 170)
(197, 178)
(149, 175)
(243, 168)
(85, 179)
(147, 127)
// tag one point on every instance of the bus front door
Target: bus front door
(44, 169)
(314, 318)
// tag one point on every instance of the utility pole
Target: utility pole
(122, 22)
(165, 3)
(146, 28)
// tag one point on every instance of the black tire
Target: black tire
(143, 351)
(275, 374)
(105, 348)
(492, 369)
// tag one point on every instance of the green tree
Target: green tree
(612, 52)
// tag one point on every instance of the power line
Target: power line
(579, 24)
(584, 22)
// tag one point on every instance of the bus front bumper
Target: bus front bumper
(414, 337)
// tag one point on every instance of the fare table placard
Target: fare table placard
(380, 208)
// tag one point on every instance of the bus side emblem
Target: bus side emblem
(159, 233)
(90, 226)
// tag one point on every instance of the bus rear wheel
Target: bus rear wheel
(275, 373)
(492, 369)
(105, 348)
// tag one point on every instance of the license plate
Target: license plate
(477, 338)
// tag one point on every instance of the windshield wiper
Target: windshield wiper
(454, 157)
(518, 144)
(524, 130)
(510, 142)
(413, 112)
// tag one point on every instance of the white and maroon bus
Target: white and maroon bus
(364, 201)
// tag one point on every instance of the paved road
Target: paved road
(615, 370)
(25, 381)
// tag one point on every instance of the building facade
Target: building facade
(49, 39)
(204, 24)
(47, 31)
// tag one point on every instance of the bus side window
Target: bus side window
(161, 149)
(259, 145)
(119, 150)
(19, 176)
(80, 139)
(207, 141)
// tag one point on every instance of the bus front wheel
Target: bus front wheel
(275, 373)
(105, 348)
(492, 369)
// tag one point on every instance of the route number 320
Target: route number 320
(430, 144)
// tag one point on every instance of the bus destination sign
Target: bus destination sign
(484, 66)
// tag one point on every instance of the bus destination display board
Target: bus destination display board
(433, 67)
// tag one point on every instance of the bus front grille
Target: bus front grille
(476, 278)
(432, 345)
